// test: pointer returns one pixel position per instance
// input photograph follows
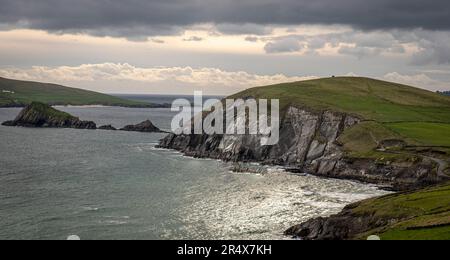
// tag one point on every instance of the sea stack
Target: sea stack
(145, 127)
(42, 115)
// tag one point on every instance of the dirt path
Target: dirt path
(442, 164)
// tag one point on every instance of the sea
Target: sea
(113, 185)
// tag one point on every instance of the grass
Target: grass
(49, 111)
(367, 98)
(427, 134)
(20, 93)
(365, 137)
(390, 111)
(423, 214)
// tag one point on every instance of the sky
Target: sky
(222, 46)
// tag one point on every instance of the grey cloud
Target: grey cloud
(127, 18)
(359, 51)
(157, 41)
(193, 39)
(239, 29)
(354, 43)
(251, 39)
(289, 44)
(434, 47)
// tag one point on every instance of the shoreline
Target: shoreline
(285, 170)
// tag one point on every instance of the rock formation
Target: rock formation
(146, 127)
(308, 143)
(42, 115)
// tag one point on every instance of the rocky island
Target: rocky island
(361, 129)
(42, 115)
(144, 127)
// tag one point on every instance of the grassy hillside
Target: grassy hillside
(368, 98)
(417, 118)
(423, 215)
(19, 93)
(391, 111)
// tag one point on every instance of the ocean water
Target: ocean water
(116, 185)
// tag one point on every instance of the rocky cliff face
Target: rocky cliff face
(343, 226)
(308, 143)
(42, 115)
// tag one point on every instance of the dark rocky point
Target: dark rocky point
(42, 115)
(308, 144)
(146, 127)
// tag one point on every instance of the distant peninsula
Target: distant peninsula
(16, 93)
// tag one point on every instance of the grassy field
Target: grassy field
(14, 93)
(390, 111)
(427, 134)
(414, 118)
(368, 98)
(425, 214)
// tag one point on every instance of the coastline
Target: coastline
(357, 220)
(292, 232)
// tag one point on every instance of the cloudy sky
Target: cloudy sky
(222, 46)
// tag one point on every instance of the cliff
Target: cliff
(420, 215)
(360, 129)
(42, 115)
(309, 142)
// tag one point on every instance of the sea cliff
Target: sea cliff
(309, 142)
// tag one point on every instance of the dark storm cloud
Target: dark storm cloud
(165, 16)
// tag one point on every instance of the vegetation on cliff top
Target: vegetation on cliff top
(399, 124)
(423, 215)
(21, 93)
(390, 110)
(367, 98)
(49, 111)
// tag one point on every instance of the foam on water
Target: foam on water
(117, 185)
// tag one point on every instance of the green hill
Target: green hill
(21, 93)
(421, 215)
(417, 118)
(390, 111)
(368, 98)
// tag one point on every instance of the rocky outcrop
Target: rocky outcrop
(43, 115)
(343, 226)
(308, 143)
(107, 127)
(392, 216)
(146, 127)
